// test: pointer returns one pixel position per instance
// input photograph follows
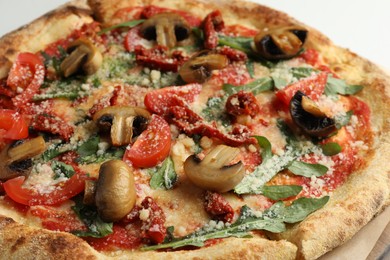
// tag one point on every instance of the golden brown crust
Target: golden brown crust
(363, 196)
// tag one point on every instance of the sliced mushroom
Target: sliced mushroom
(166, 28)
(198, 69)
(115, 191)
(16, 160)
(280, 43)
(83, 55)
(215, 172)
(311, 120)
(123, 122)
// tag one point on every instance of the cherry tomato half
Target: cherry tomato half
(13, 125)
(13, 188)
(152, 146)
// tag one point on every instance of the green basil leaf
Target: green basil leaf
(266, 147)
(257, 86)
(302, 207)
(88, 214)
(331, 149)
(62, 169)
(278, 192)
(163, 177)
(89, 147)
(338, 86)
(343, 120)
(130, 24)
(307, 169)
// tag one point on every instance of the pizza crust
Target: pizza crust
(353, 205)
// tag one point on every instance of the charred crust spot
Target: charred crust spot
(58, 245)
(18, 243)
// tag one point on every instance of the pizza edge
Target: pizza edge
(352, 207)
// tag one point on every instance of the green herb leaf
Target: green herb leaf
(271, 220)
(338, 86)
(331, 149)
(89, 147)
(302, 72)
(88, 214)
(278, 192)
(257, 86)
(343, 120)
(302, 207)
(55, 150)
(60, 169)
(250, 66)
(130, 24)
(254, 182)
(163, 177)
(66, 95)
(266, 147)
(110, 154)
(307, 169)
(239, 43)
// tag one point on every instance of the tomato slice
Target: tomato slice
(158, 101)
(63, 192)
(152, 146)
(13, 124)
(313, 87)
(27, 73)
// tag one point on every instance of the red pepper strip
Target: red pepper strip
(232, 54)
(211, 25)
(242, 103)
(218, 207)
(154, 225)
(52, 125)
(191, 123)
(6, 91)
(157, 58)
(152, 10)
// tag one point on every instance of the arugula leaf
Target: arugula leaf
(110, 154)
(215, 110)
(88, 214)
(302, 72)
(239, 43)
(67, 95)
(266, 146)
(250, 66)
(257, 86)
(55, 150)
(60, 168)
(338, 86)
(331, 149)
(278, 192)
(89, 147)
(130, 24)
(163, 177)
(271, 220)
(342, 120)
(307, 169)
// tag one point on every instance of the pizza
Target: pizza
(186, 129)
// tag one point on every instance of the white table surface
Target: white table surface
(360, 25)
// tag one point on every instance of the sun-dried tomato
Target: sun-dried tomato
(218, 207)
(107, 100)
(242, 103)
(212, 24)
(232, 54)
(53, 125)
(158, 58)
(154, 226)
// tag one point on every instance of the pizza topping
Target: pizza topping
(15, 160)
(212, 24)
(242, 103)
(123, 122)
(158, 58)
(218, 207)
(280, 43)
(312, 122)
(115, 190)
(164, 176)
(216, 171)
(152, 146)
(13, 126)
(154, 225)
(199, 68)
(82, 55)
(166, 28)
(53, 125)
